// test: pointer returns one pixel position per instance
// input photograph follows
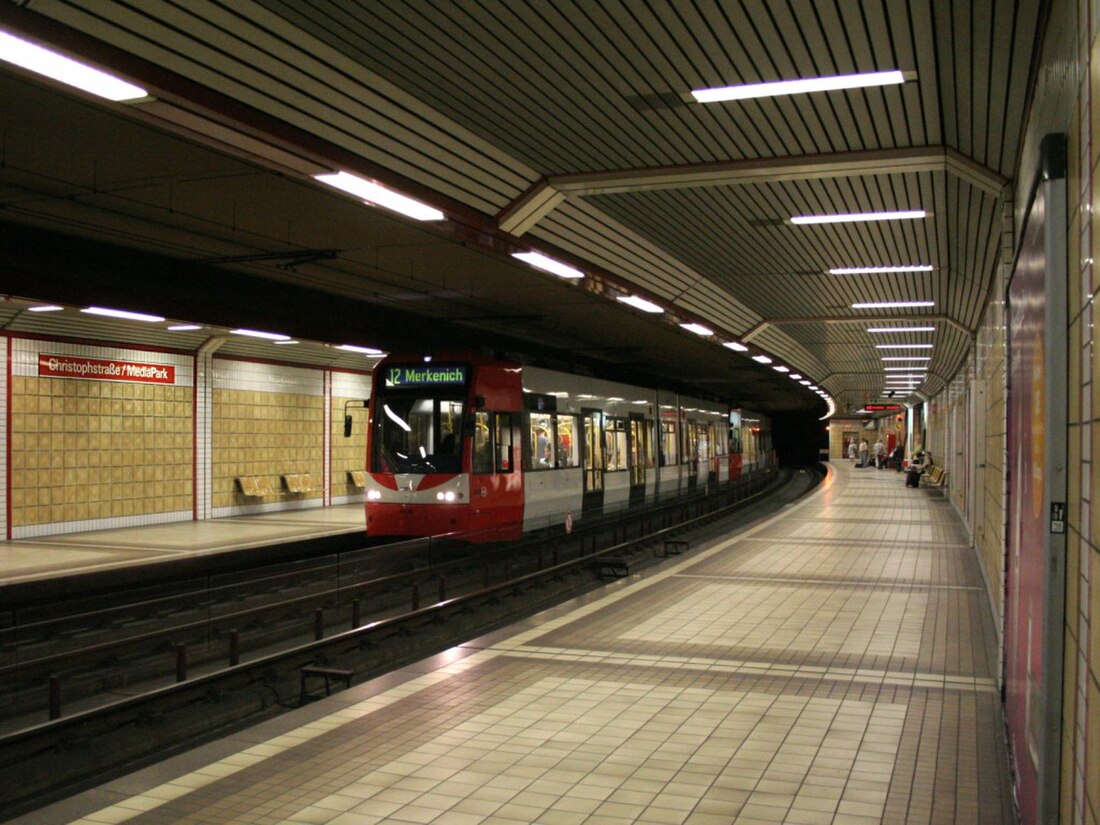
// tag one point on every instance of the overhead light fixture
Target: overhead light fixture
(874, 270)
(893, 304)
(278, 343)
(183, 327)
(698, 329)
(736, 346)
(761, 359)
(858, 217)
(815, 389)
(45, 308)
(781, 368)
(906, 358)
(547, 264)
(66, 70)
(640, 303)
(795, 376)
(364, 350)
(375, 194)
(125, 314)
(255, 333)
(904, 369)
(805, 383)
(891, 378)
(777, 88)
(903, 346)
(901, 329)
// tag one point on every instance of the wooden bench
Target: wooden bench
(299, 483)
(254, 486)
(611, 567)
(935, 477)
(358, 478)
(328, 674)
(674, 547)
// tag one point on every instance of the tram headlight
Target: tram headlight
(447, 496)
(374, 495)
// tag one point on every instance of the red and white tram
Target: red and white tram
(486, 450)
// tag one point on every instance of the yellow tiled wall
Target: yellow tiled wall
(85, 450)
(348, 453)
(265, 434)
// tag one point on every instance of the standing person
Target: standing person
(898, 456)
(852, 450)
(880, 454)
(864, 451)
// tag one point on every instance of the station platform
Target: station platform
(78, 554)
(835, 663)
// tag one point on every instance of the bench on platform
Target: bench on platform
(254, 486)
(935, 477)
(328, 674)
(299, 483)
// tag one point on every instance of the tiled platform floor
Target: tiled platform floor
(835, 664)
(28, 559)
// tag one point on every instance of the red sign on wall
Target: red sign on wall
(102, 369)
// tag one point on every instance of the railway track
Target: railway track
(232, 673)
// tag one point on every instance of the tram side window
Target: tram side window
(541, 441)
(568, 448)
(483, 444)
(503, 441)
(650, 445)
(615, 444)
(669, 453)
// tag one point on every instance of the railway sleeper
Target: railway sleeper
(612, 567)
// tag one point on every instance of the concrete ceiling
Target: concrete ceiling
(556, 126)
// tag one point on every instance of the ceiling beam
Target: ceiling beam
(546, 194)
(854, 319)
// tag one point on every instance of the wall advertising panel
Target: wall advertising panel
(1036, 314)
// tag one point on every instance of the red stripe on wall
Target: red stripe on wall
(195, 437)
(7, 481)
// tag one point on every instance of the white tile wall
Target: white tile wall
(257, 377)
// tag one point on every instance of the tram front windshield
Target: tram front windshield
(414, 433)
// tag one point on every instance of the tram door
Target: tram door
(638, 452)
(593, 461)
(691, 453)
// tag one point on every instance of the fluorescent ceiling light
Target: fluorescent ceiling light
(698, 329)
(376, 194)
(815, 389)
(277, 343)
(858, 217)
(45, 308)
(736, 346)
(795, 376)
(892, 378)
(904, 369)
(540, 261)
(70, 72)
(894, 304)
(871, 270)
(778, 88)
(901, 329)
(122, 313)
(906, 358)
(805, 383)
(640, 303)
(183, 327)
(903, 346)
(762, 359)
(255, 333)
(364, 350)
(781, 368)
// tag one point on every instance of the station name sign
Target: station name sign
(882, 407)
(104, 369)
(419, 375)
